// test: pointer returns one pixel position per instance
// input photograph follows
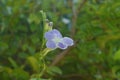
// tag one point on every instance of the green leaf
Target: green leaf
(14, 64)
(117, 55)
(116, 71)
(6, 69)
(20, 74)
(54, 70)
(34, 18)
(33, 62)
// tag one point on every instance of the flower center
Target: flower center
(56, 39)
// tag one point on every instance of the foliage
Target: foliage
(95, 56)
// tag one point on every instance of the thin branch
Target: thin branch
(75, 14)
(60, 57)
(74, 77)
(80, 6)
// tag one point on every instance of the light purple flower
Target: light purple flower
(55, 40)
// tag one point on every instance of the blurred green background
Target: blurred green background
(93, 24)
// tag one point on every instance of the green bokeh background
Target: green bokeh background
(93, 24)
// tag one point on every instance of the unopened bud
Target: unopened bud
(50, 24)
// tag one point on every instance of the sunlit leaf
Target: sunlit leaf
(34, 63)
(54, 70)
(117, 55)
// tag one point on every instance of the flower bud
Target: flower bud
(50, 24)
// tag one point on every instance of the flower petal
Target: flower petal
(68, 41)
(56, 33)
(62, 45)
(49, 35)
(51, 44)
(52, 34)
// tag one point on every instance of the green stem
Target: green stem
(43, 70)
(44, 53)
(44, 24)
(41, 59)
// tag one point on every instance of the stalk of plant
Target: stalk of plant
(53, 39)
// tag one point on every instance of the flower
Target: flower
(55, 40)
